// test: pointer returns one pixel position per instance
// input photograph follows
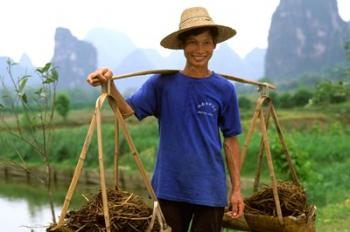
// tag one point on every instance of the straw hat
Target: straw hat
(192, 18)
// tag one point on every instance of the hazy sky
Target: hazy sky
(28, 26)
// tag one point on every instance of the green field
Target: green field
(317, 138)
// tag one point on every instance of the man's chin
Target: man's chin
(199, 63)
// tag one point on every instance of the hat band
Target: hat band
(193, 21)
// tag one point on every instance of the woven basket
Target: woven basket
(264, 223)
(234, 223)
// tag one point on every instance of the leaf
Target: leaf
(54, 74)
(52, 77)
(22, 83)
(49, 80)
(38, 92)
(11, 62)
(44, 69)
(24, 98)
(43, 93)
(2, 106)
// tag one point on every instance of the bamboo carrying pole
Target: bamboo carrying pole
(77, 172)
(173, 71)
(270, 165)
(99, 103)
(261, 154)
(116, 153)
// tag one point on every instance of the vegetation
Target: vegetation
(63, 105)
(32, 112)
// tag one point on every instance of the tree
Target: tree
(302, 97)
(286, 101)
(244, 102)
(347, 50)
(62, 105)
(32, 111)
(275, 98)
(331, 92)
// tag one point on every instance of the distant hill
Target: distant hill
(112, 46)
(255, 62)
(21, 68)
(225, 60)
(74, 59)
(305, 37)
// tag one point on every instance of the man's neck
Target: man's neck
(196, 72)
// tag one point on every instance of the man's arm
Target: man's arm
(101, 77)
(231, 149)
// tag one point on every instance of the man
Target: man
(192, 107)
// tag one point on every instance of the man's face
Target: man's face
(199, 49)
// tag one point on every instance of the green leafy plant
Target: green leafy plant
(63, 105)
(31, 116)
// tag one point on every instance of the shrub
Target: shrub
(244, 102)
(62, 105)
(302, 97)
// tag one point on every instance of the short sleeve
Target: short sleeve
(229, 118)
(144, 101)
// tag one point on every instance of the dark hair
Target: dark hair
(213, 31)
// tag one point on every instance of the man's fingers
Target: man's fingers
(100, 76)
(237, 209)
(93, 79)
(241, 208)
(108, 74)
(234, 211)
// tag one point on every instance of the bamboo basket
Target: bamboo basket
(279, 223)
(235, 223)
(264, 223)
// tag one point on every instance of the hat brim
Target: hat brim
(172, 40)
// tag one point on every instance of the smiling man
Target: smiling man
(192, 107)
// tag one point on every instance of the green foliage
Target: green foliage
(62, 105)
(333, 217)
(302, 97)
(331, 92)
(29, 121)
(80, 98)
(347, 50)
(286, 101)
(31, 112)
(300, 160)
(244, 102)
(275, 99)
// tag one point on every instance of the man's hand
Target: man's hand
(237, 203)
(99, 77)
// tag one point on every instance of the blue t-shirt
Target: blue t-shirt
(190, 112)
